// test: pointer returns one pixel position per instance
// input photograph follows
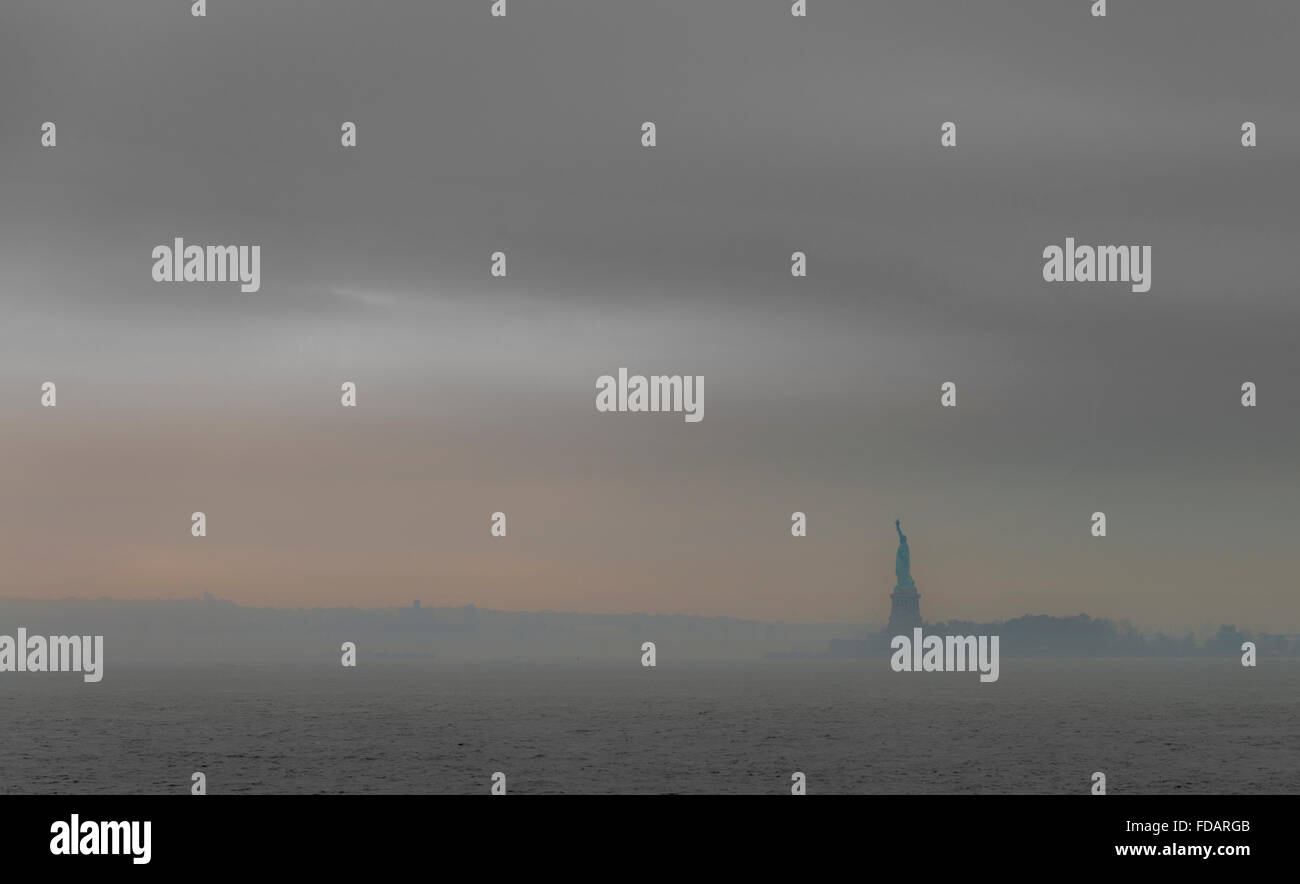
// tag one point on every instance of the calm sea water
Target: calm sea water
(1153, 726)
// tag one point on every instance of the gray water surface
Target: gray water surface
(852, 726)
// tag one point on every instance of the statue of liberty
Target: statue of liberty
(903, 561)
(904, 601)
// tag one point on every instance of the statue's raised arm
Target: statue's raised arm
(899, 528)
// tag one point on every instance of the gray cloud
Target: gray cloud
(822, 394)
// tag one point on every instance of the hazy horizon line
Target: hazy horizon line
(1118, 621)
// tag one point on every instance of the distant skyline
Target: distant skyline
(477, 394)
(875, 627)
(205, 629)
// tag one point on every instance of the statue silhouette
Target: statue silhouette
(903, 561)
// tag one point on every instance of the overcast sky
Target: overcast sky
(821, 394)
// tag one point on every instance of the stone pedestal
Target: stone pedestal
(905, 610)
